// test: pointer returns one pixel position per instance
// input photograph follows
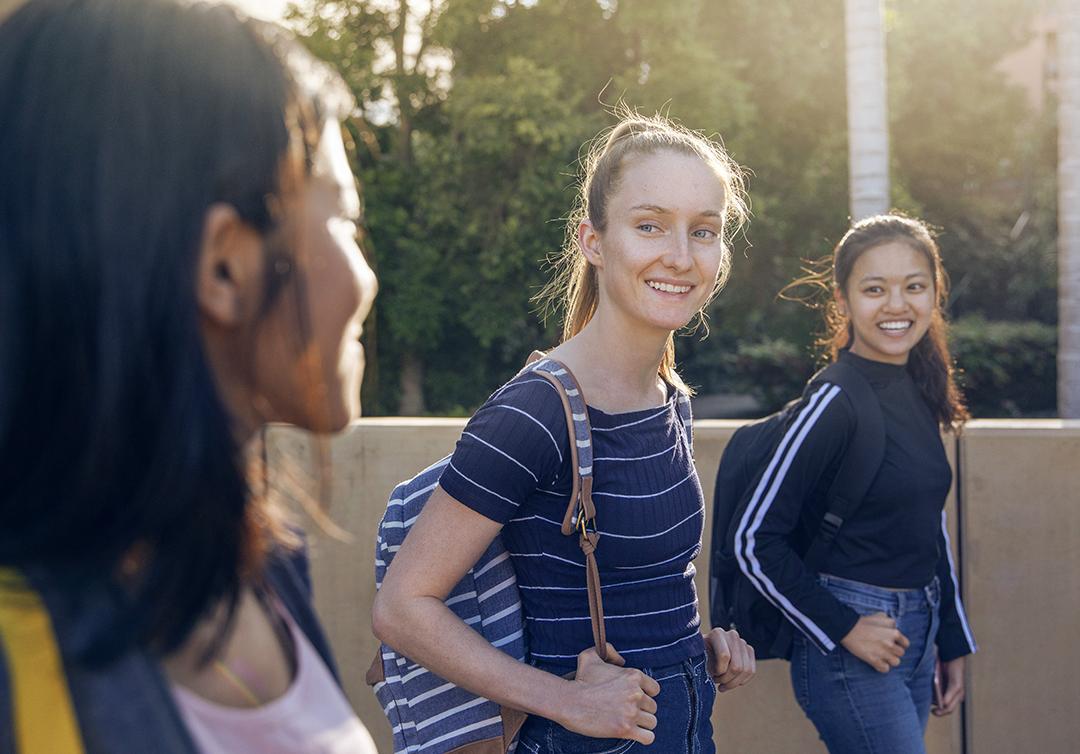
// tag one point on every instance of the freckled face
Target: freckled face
(661, 253)
(319, 388)
(890, 301)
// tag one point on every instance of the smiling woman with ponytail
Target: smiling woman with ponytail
(646, 251)
(882, 636)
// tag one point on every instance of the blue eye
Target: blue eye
(647, 227)
(705, 233)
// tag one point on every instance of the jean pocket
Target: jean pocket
(861, 603)
(563, 741)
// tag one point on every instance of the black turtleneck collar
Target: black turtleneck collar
(876, 372)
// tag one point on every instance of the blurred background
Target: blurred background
(472, 113)
(471, 116)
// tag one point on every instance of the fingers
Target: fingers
(882, 665)
(880, 619)
(954, 694)
(649, 686)
(741, 667)
(719, 652)
(613, 657)
(589, 657)
(646, 720)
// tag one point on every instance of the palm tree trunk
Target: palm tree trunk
(868, 129)
(412, 386)
(1069, 210)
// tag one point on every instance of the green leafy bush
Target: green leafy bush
(1007, 368)
(773, 370)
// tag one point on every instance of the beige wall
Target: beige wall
(1020, 503)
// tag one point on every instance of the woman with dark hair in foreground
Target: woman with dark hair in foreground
(177, 237)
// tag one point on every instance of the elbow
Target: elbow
(385, 617)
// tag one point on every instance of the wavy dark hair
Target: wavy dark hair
(930, 364)
(123, 122)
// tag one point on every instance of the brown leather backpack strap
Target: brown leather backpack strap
(596, 602)
(580, 513)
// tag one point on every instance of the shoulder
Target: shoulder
(529, 390)
(828, 403)
(826, 409)
(529, 403)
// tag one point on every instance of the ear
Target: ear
(229, 275)
(589, 243)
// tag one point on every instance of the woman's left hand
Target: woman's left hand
(952, 683)
(729, 659)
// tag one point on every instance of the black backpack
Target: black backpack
(734, 602)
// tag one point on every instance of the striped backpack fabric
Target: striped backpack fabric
(427, 713)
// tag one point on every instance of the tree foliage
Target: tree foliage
(472, 114)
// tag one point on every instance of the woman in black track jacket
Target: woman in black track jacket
(881, 629)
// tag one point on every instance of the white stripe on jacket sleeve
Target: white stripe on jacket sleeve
(763, 498)
(956, 588)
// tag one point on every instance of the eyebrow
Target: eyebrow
(664, 211)
(882, 277)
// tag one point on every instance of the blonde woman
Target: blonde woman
(647, 252)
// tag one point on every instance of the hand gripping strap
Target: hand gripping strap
(581, 512)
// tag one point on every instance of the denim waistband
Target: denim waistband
(687, 666)
(891, 601)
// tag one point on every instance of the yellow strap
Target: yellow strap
(44, 716)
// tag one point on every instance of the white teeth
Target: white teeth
(667, 287)
(895, 325)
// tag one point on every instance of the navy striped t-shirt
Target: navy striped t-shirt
(512, 465)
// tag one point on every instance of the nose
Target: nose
(678, 257)
(896, 301)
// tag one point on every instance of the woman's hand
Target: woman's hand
(951, 674)
(877, 641)
(610, 701)
(730, 660)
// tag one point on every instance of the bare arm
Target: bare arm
(409, 615)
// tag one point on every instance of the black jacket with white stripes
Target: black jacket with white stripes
(897, 538)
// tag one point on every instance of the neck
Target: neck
(617, 366)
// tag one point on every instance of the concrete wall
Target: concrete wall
(1016, 519)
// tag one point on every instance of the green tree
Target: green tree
(469, 133)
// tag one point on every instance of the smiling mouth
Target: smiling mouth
(896, 327)
(668, 287)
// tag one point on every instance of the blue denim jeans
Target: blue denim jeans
(683, 709)
(856, 709)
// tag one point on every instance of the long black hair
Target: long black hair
(122, 122)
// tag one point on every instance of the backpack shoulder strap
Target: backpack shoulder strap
(580, 431)
(44, 716)
(580, 514)
(861, 462)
